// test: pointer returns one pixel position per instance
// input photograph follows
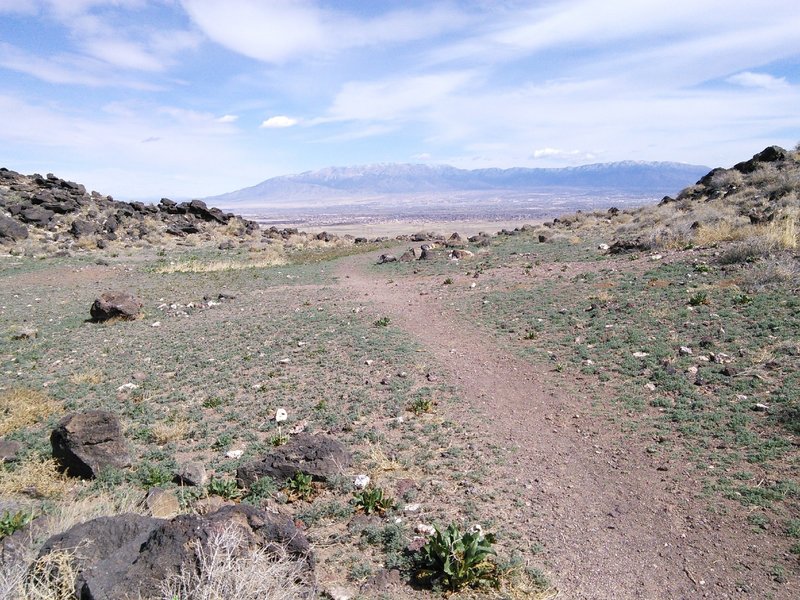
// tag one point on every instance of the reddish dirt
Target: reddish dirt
(614, 523)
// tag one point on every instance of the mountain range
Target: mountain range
(355, 185)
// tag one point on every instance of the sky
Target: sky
(189, 98)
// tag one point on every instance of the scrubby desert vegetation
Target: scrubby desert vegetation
(646, 448)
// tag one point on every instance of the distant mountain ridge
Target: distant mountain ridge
(647, 178)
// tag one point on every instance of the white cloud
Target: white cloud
(567, 155)
(278, 122)
(282, 30)
(758, 80)
(123, 54)
(396, 98)
(67, 68)
(227, 119)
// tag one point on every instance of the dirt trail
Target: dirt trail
(611, 526)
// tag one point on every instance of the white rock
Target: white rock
(285, 361)
(424, 529)
(641, 354)
(361, 481)
(127, 387)
(656, 257)
(369, 362)
(685, 351)
(703, 358)
(156, 324)
(340, 593)
(650, 386)
(234, 454)
(692, 370)
(412, 508)
(281, 415)
(761, 407)
(602, 246)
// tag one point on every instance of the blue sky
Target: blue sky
(178, 98)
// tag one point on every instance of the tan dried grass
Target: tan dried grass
(783, 230)
(51, 577)
(21, 407)
(272, 259)
(722, 231)
(164, 433)
(227, 568)
(33, 478)
(91, 377)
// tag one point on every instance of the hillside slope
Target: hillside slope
(58, 215)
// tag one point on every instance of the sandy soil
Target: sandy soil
(615, 524)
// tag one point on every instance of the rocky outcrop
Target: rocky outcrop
(86, 443)
(32, 204)
(319, 456)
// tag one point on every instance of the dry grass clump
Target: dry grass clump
(21, 407)
(773, 272)
(226, 568)
(270, 258)
(721, 231)
(51, 577)
(170, 431)
(38, 478)
(92, 377)
(72, 511)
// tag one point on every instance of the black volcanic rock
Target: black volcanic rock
(11, 229)
(33, 204)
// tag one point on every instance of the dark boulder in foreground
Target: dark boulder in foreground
(86, 443)
(115, 304)
(130, 556)
(316, 455)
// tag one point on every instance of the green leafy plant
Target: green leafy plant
(373, 500)
(299, 487)
(455, 559)
(382, 322)
(698, 299)
(225, 488)
(11, 522)
(421, 405)
(213, 402)
(279, 439)
(151, 475)
(260, 489)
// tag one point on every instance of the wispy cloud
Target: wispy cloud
(227, 119)
(69, 69)
(568, 155)
(396, 98)
(283, 30)
(758, 80)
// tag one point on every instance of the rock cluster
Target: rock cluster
(63, 211)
